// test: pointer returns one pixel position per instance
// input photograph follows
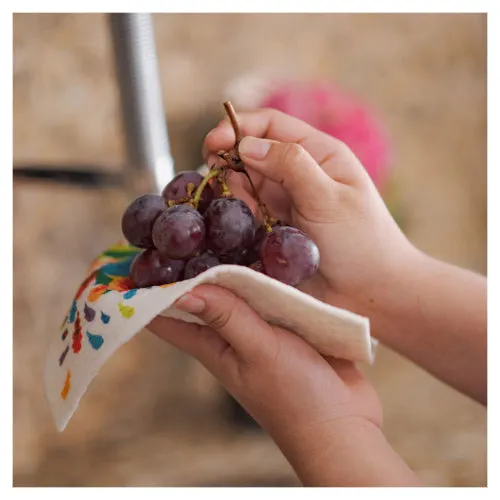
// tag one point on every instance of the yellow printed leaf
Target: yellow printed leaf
(126, 311)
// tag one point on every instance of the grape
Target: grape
(240, 258)
(150, 268)
(289, 255)
(198, 265)
(179, 232)
(138, 219)
(230, 226)
(176, 189)
(253, 251)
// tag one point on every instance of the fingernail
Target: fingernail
(254, 148)
(191, 304)
(212, 132)
(220, 125)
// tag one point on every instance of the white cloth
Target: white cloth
(115, 317)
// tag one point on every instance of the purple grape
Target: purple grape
(151, 268)
(139, 218)
(253, 251)
(179, 232)
(230, 226)
(289, 255)
(240, 258)
(177, 189)
(200, 264)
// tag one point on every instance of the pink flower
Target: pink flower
(330, 110)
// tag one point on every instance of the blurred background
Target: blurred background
(153, 417)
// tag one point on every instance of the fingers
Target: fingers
(236, 323)
(331, 154)
(201, 342)
(295, 169)
(268, 123)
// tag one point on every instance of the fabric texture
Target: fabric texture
(108, 311)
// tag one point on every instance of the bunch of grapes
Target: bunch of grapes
(196, 224)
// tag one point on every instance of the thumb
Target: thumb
(292, 166)
(232, 318)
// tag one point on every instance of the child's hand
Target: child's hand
(314, 182)
(315, 409)
(420, 307)
(322, 412)
(281, 380)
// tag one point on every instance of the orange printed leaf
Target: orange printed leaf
(120, 284)
(167, 285)
(96, 292)
(67, 385)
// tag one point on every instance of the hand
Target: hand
(281, 380)
(314, 182)
(418, 306)
(305, 401)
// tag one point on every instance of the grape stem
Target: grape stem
(222, 180)
(231, 113)
(214, 172)
(234, 162)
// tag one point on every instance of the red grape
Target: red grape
(176, 189)
(200, 264)
(151, 268)
(179, 232)
(289, 255)
(253, 251)
(230, 226)
(139, 218)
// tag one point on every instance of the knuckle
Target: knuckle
(293, 153)
(220, 317)
(344, 152)
(270, 112)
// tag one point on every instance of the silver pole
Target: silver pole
(149, 164)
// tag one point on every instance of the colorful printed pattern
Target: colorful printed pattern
(85, 321)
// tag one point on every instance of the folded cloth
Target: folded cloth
(108, 311)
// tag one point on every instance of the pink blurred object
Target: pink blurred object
(330, 110)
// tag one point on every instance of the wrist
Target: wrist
(393, 301)
(350, 451)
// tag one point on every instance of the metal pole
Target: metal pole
(149, 164)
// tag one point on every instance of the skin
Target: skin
(323, 414)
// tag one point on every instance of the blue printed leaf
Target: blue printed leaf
(95, 341)
(121, 268)
(105, 318)
(130, 293)
(72, 312)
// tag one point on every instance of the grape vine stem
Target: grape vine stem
(214, 172)
(231, 113)
(234, 162)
